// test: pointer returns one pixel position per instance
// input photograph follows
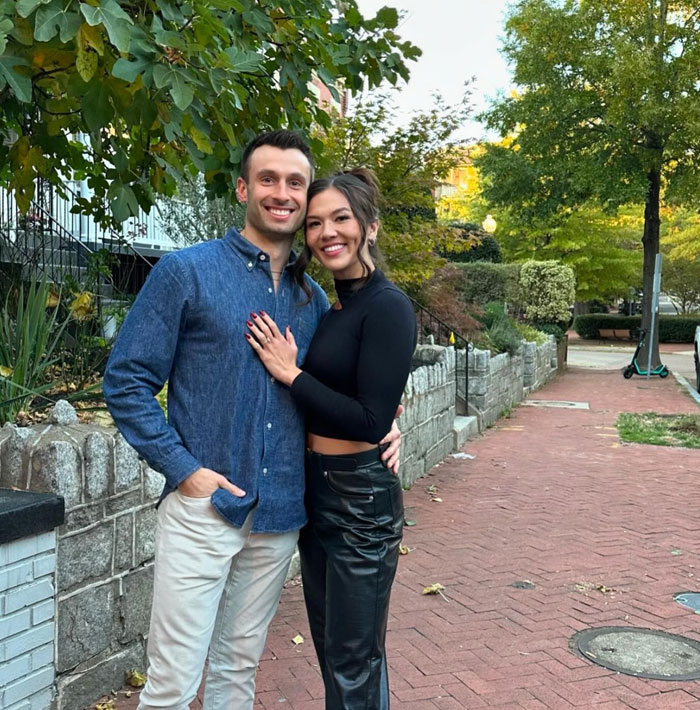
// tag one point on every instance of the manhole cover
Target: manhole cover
(690, 600)
(640, 652)
(554, 403)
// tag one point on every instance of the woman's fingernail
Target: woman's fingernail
(249, 324)
(263, 314)
(254, 315)
(248, 336)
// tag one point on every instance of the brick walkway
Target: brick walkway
(552, 497)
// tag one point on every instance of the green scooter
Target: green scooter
(634, 369)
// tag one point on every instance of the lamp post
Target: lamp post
(489, 224)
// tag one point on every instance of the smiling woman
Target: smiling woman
(349, 387)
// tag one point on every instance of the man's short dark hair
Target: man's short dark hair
(286, 140)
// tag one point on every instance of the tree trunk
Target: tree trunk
(650, 240)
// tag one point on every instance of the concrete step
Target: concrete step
(464, 429)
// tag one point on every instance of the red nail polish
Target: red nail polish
(249, 324)
(254, 315)
(262, 313)
(248, 337)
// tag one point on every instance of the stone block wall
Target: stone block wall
(428, 420)
(104, 548)
(498, 382)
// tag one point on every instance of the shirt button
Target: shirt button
(269, 290)
(272, 379)
(262, 257)
(269, 425)
(264, 470)
(250, 264)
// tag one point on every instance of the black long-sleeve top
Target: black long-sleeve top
(358, 362)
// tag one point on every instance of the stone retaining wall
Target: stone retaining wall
(498, 382)
(428, 421)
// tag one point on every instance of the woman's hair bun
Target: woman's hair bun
(368, 177)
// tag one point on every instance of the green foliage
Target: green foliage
(486, 247)
(548, 291)
(483, 282)
(531, 334)
(501, 334)
(409, 162)
(660, 429)
(558, 331)
(607, 112)
(672, 329)
(190, 217)
(164, 89)
(681, 281)
(30, 335)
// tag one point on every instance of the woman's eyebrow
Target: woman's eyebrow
(335, 212)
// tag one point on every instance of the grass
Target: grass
(660, 429)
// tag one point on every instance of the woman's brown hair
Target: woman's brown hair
(361, 189)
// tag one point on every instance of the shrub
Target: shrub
(486, 249)
(548, 290)
(483, 282)
(531, 334)
(672, 329)
(554, 329)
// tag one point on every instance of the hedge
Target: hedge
(484, 282)
(672, 329)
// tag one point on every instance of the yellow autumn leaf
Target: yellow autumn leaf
(298, 639)
(52, 298)
(135, 679)
(436, 500)
(6, 371)
(404, 550)
(436, 588)
(107, 705)
(81, 305)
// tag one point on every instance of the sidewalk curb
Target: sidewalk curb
(684, 383)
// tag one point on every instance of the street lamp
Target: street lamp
(489, 224)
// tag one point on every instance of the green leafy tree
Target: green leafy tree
(189, 217)
(681, 281)
(410, 162)
(548, 289)
(161, 89)
(607, 111)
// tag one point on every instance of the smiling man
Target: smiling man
(232, 448)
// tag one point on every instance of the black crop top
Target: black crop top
(358, 362)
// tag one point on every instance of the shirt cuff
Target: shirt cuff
(179, 466)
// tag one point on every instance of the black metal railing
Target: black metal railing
(432, 330)
(53, 241)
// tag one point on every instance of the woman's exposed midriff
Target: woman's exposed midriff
(335, 447)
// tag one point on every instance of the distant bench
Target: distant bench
(616, 333)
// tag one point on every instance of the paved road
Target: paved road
(615, 357)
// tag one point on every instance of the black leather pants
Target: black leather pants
(349, 552)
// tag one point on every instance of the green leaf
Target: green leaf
(389, 17)
(20, 84)
(248, 62)
(180, 89)
(53, 17)
(6, 26)
(128, 71)
(122, 202)
(97, 106)
(27, 7)
(86, 63)
(115, 21)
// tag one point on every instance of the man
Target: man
(232, 450)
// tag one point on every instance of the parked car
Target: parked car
(696, 356)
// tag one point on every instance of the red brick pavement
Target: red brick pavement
(552, 497)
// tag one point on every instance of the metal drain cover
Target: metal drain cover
(557, 404)
(644, 653)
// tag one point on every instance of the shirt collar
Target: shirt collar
(248, 252)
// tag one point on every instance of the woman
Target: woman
(349, 386)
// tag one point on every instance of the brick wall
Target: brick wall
(27, 606)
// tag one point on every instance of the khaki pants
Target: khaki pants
(216, 588)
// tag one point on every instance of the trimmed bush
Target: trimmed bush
(672, 329)
(484, 282)
(548, 291)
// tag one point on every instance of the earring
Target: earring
(372, 241)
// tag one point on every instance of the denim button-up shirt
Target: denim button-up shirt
(225, 412)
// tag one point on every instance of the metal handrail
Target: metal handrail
(434, 330)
